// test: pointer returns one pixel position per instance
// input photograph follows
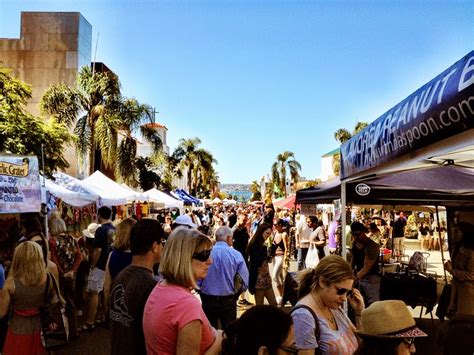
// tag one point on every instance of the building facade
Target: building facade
(52, 47)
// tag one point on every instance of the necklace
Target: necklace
(327, 314)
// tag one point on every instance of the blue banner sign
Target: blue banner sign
(20, 188)
(440, 109)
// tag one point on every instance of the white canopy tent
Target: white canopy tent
(70, 190)
(158, 196)
(110, 192)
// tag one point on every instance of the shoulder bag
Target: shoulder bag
(54, 323)
(317, 330)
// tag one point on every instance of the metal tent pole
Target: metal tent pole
(441, 243)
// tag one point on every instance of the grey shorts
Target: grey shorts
(95, 281)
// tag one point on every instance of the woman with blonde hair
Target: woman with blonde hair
(319, 321)
(24, 292)
(121, 256)
(173, 320)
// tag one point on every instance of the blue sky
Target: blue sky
(252, 79)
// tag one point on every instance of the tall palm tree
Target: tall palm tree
(284, 161)
(134, 117)
(196, 161)
(91, 108)
(343, 135)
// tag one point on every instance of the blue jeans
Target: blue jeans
(301, 256)
(369, 286)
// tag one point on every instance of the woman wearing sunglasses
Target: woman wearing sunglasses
(173, 320)
(320, 324)
(388, 328)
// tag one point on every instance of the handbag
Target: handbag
(238, 284)
(272, 250)
(312, 258)
(54, 323)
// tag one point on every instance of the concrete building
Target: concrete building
(51, 49)
(327, 159)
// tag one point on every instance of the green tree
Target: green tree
(197, 162)
(23, 133)
(134, 117)
(91, 107)
(285, 162)
(343, 135)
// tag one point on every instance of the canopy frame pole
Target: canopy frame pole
(343, 220)
(441, 243)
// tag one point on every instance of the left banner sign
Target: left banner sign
(20, 187)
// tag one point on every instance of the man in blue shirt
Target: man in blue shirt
(218, 292)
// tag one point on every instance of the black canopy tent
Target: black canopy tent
(438, 185)
(432, 126)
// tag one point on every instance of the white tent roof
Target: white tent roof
(70, 190)
(111, 193)
(155, 195)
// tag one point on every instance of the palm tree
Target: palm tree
(91, 108)
(134, 117)
(343, 135)
(196, 161)
(279, 170)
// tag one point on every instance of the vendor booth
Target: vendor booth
(421, 151)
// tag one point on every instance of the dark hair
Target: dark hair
(143, 234)
(104, 212)
(313, 219)
(467, 230)
(281, 222)
(258, 236)
(259, 326)
(378, 346)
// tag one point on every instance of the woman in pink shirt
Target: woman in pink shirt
(173, 320)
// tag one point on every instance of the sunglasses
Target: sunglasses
(342, 291)
(202, 255)
(288, 350)
(409, 341)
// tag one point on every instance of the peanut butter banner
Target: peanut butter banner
(20, 188)
(438, 110)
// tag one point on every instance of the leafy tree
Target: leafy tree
(284, 161)
(23, 133)
(134, 117)
(343, 135)
(198, 164)
(91, 107)
(147, 178)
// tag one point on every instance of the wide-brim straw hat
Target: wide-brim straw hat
(90, 231)
(388, 319)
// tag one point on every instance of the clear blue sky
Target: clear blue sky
(255, 78)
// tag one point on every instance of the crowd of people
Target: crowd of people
(167, 286)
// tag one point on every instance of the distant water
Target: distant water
(245, 194)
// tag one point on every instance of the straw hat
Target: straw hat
(90, 231)
(388, 319)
